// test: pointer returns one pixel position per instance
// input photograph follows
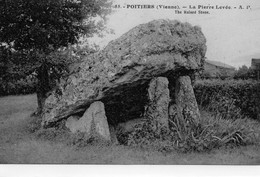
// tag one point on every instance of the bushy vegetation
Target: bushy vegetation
(230, 98)
(228, 108)
(40, 30)
(15, 83)
(245, 72)
(18, 87)
(210, 132)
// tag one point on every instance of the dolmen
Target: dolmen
(146, 71)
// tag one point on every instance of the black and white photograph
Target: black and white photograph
(123, 83)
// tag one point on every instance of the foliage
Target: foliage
(144, 135)
(13, 83)
(34, 34)
(210, 132)
(33, 24)
(228, 102)
(229, 98)
(240, 131)
(245, 73)
(16, 87)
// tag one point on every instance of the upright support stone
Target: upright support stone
(93, 122)
(159, 98)
(186, 103)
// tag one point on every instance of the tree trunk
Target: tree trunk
(43, 87)
(41, 100)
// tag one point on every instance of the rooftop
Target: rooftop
(219, 64)
(255, 60)
(255, 63)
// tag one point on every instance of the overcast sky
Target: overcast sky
(233, 36)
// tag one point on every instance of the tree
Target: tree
(245, 72)
(33, 32)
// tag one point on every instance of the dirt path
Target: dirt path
(17, 145)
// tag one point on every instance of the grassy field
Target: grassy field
(18, 145)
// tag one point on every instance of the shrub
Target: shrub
(241, 131)
(245, 73)
(230, 98)
(17, 87)
(145, 136)
(209, 133)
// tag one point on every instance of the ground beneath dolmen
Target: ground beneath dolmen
(19, 146)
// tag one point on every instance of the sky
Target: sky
(233, 35)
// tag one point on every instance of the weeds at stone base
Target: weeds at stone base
(62, 134)
(210, 132)
(35, 124)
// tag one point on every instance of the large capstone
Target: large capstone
(159, 98)
(119, 75)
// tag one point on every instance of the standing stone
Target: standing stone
(186, 103)
(93, 122)
(159, 98)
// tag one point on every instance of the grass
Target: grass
(19, 145)
(207, 133)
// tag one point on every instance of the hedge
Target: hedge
(18, 87)
(233, 98)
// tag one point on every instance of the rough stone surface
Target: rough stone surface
(186, 104)
(93, 122)
(120, 73)
(72, 123)
(159, 98)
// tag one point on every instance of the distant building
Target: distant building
(216, 69)
(255, 65)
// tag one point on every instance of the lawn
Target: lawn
(18, 145)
